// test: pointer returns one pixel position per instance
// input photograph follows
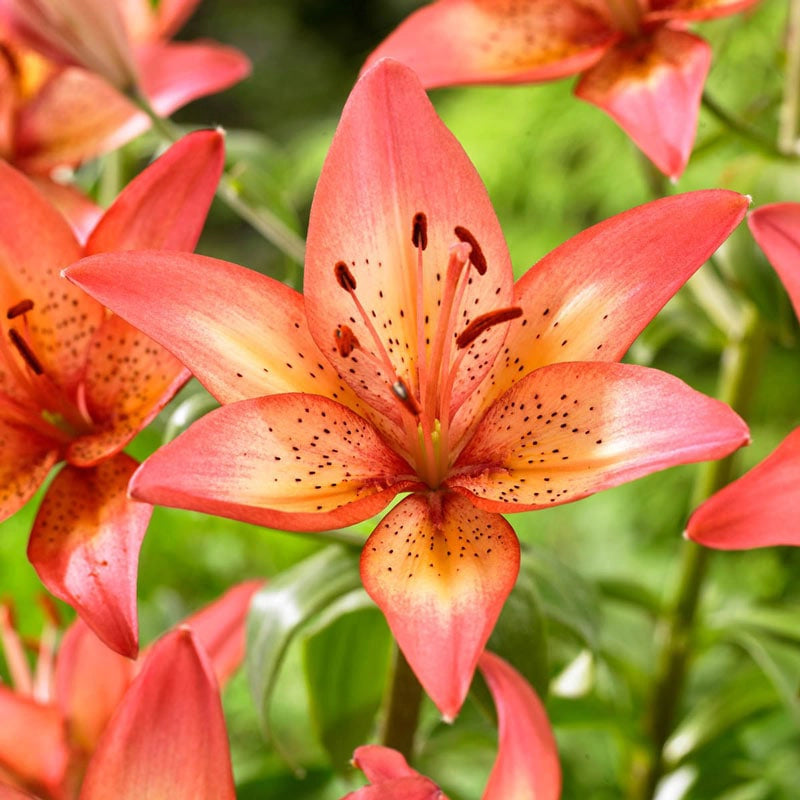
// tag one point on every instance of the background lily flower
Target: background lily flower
(413, 364)
(66, 115)
(762, 508)
(49, 737)
(638, 62)
(526, 767)
(77, 384)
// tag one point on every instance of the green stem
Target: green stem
(258, 217)
(787, 120)
(738, 366)
(402, 709)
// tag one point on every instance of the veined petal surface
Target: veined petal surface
(651, 87)
(760, 509)
(81, 213)
(440, 569)
(289, 461)
(241, 333)
(497, 41)
(391, 160)
(168, 737)
(695, 9)
(85, 547)
(776, 228)
(569, 430)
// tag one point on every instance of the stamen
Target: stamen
(25, 351)
(344, 277)
(404, 395)
(346, 340)
(419, 231)
(476, 256)
(18, 309)
(484, 322)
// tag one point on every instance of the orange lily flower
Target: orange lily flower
(638, 62)
(77, 384)
(413, 364)
(54, 722)
(527, 759)
(762, 508)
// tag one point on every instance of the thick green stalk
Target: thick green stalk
(738, 365)
(402, 708)
(790, 105)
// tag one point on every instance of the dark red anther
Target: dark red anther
(476, 256)
(25, 351)
(18, 309)
(346, 340)
(419, 231)
(344, 277)
(404, 395)
(484, 322)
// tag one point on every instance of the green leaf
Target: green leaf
(346, 664)
(283, 607)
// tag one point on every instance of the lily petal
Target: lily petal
(440, 570)
(391, 160)
(220, 628)
(81, 213)
(382, 763)
(760, 509)
(168, 736)
(10, 793)
(569, 430)
(166, 205)
(592, 296)
(694, 9)
(651, 87)
(474, 41)
(90, 682)
(90, 561)
(527, 757)
(415, 787)
(173, 74)
(93, 118)
(32, 742)
(210, 314)
(776, 228)
(27, 459)
(289, 461)
(128, 380)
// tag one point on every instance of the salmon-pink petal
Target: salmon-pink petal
(168, 736)
(651, 87)
(166, 205)
(776, 228)
(27, 459)
(32, 743)
(85, 546)
(760, 509)
(380, 763)
(174, 74)
(10, 793)
(591, 297)
(289, 461)
(241, 333)
(391, 777)
(527, 757)
(485, 41)
(36, 243)
(128, 380)
(572, 429)
(391, 160)
(87, 33)
(81, 213)
(440, 570)
(220, 628)
(93, 118)
(416, 787)
(694, 9)
(90, 682)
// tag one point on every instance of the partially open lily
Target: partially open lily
(76, 383)
(762, 508)
(639, 64)
(54, 720)
(526, 767)
(59, 116)
(413, 364)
